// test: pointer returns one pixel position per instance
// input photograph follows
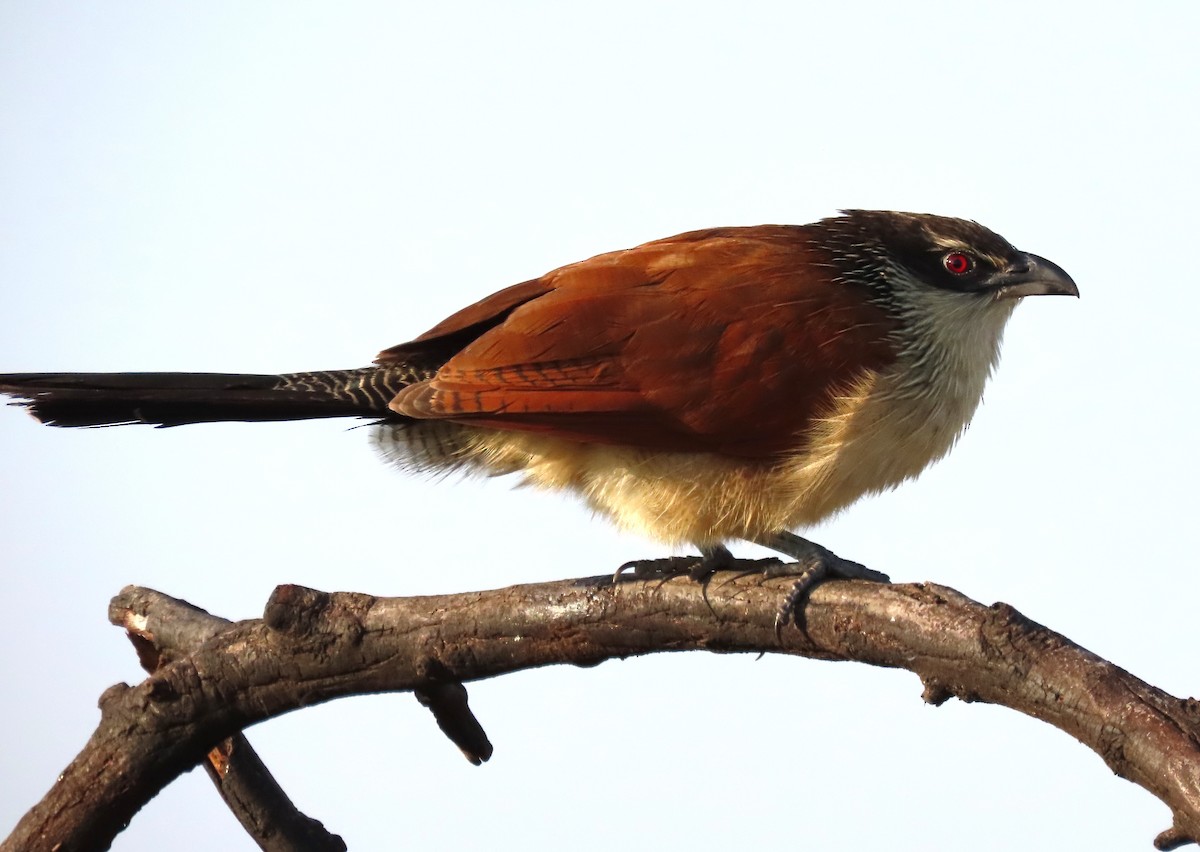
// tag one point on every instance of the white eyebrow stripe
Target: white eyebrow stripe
(951, 244)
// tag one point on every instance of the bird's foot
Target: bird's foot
(814, 565)
(710, 561)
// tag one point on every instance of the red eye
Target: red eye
(958, 263)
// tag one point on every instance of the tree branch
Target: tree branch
(312, 647)
(164, 629)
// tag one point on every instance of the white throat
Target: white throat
(951, 345)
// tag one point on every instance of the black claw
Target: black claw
(815, 564)
(699, 568)
(669, 566)
(790, 609)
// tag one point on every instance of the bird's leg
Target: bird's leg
(712, 558)
(814, 564)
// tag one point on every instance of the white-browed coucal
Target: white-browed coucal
(733, 383)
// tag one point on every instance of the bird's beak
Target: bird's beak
(1033, 276)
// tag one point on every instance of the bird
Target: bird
(721, 385)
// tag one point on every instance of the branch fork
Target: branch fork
(211, 678)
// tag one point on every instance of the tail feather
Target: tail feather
(174, 399)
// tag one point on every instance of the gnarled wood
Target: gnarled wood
(313, 646)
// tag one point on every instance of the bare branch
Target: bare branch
(312, 647)
(447, 700)
(164, 629)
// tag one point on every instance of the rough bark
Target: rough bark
(311, 647)
(164, 629)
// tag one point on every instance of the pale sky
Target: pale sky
(263, 187)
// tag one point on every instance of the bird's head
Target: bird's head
(890, 252)
(949, 285)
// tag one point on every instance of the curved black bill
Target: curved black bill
(1033, 276)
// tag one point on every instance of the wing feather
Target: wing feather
(729, 341)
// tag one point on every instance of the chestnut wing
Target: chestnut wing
(728, 341)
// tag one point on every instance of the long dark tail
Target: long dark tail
(173, 399)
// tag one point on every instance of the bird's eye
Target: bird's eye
(958, 263)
